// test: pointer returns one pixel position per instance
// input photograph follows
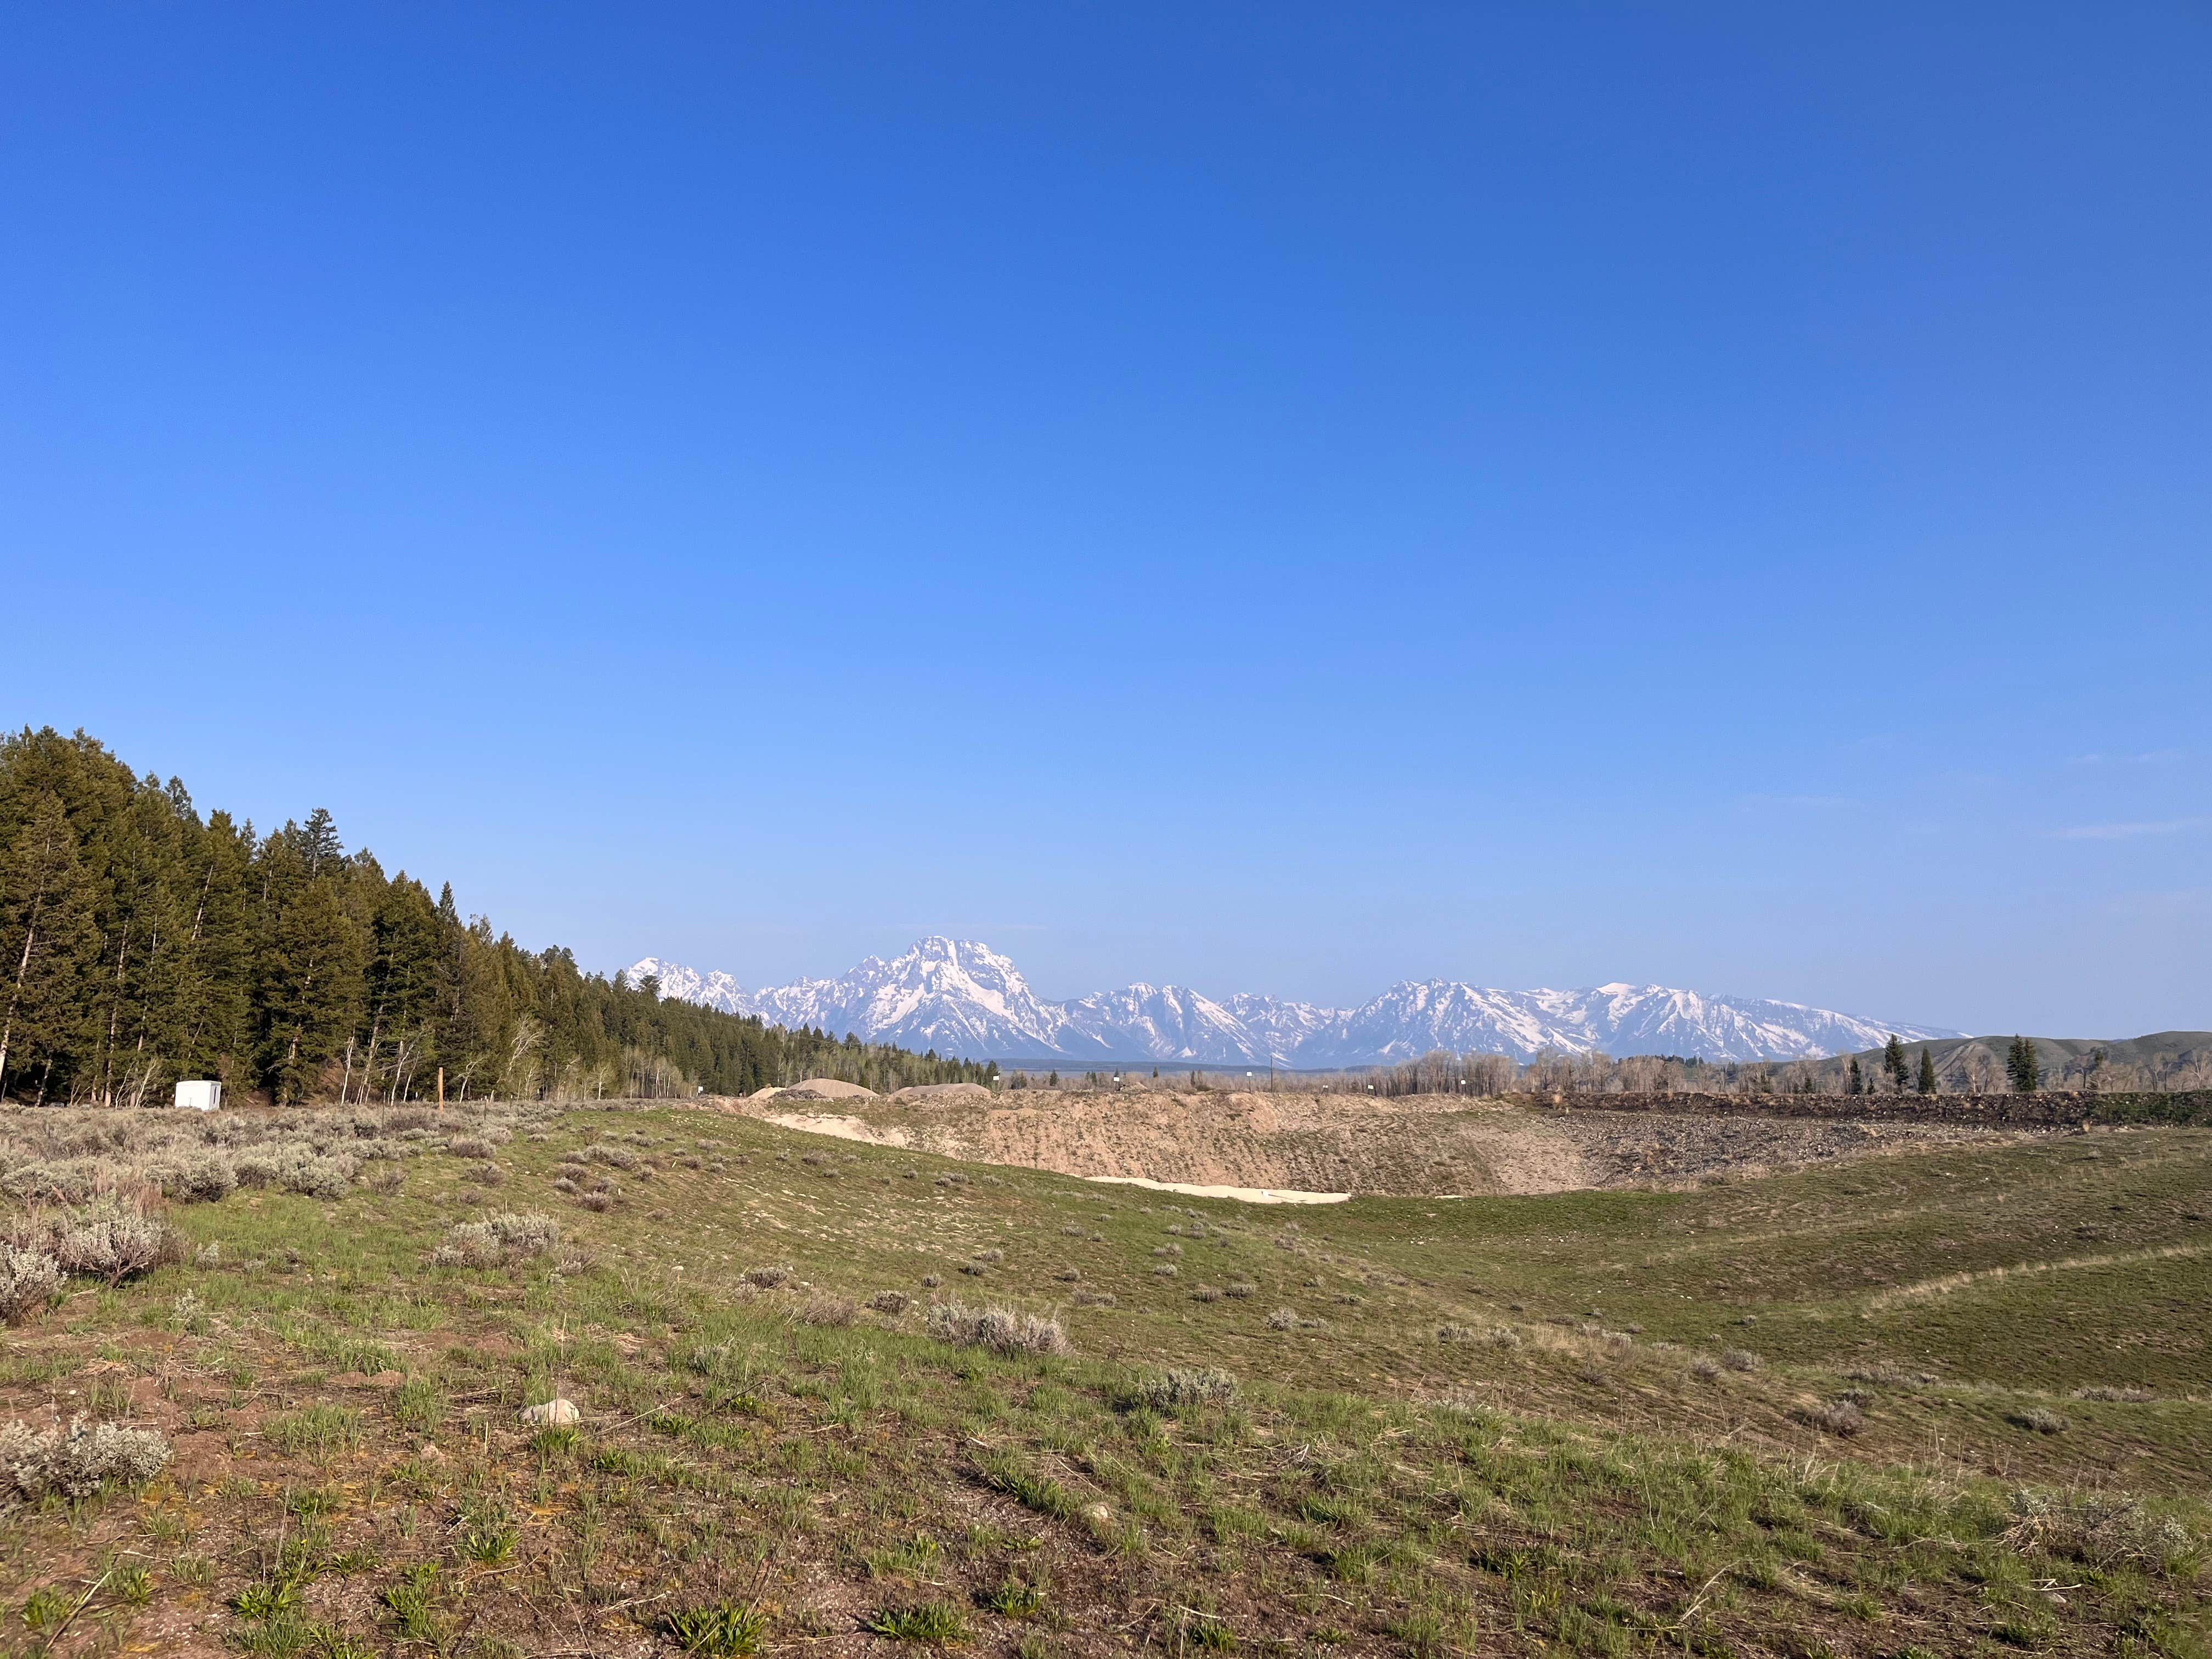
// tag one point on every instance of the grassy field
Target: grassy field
(1949, 1402)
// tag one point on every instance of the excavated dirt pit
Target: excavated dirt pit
(1315, 1147)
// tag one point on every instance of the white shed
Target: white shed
(203, 1097)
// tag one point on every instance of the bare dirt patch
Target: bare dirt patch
(1240, 1194)
(1433, 1144)
(1656, 1149)
(844, 1128)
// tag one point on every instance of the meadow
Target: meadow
(839, 1398)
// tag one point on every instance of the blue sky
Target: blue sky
(1277, 498)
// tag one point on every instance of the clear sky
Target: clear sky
(1267, 497)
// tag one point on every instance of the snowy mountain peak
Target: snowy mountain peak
(961, 997)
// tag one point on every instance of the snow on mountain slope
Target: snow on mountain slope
(715, 990)
(1410, 1019)
(955, 996)
(1159, 1023)
(1278, 1027)
(959, 997)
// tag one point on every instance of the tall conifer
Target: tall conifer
(49, 947)
(140, 945)
(310, 965)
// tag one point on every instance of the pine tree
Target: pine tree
(217, 1020)
(2023, 1066)
(139, 943)
(318, 843)
(405, 981)
(48, 947)
(1893, 1062)
(137, 987)
(1855, 1080)
(309, 963)
(1927, 1073)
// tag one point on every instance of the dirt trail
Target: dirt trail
(1330, 1144)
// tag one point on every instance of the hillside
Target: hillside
(2159, 1059)
(146, 943)
(1336, 1144)
(1957, 1408)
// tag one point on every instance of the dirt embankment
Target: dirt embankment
(1336, 1144)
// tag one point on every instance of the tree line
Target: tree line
(1898, 1070)
(142, 942)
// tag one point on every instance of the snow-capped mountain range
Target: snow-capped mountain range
(962, 998)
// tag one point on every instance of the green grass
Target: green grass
(354, 1468)
(1013, 1599)
(722, 1631)
(938, 1624)
(321, 1430)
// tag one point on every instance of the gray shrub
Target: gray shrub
(497, 1239)
(205, 1176)
(2100, 1527)
(78, 1461)
(1841, 1417)
(827, 1309)
(28, 1281)
(66, 1181)
(294, 1166)
(1182, 1386)
(1002, 1330)
(109, 1238)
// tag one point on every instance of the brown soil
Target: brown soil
(1429, 1143)
(818, 1088)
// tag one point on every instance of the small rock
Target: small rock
(1097, 1514)
(557, 1413)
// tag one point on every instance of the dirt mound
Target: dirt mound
(944, 1094)
(822, 1088)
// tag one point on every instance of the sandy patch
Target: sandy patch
(844, 1128)
(1245, 1195)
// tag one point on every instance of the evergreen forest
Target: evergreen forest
(142, 942)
